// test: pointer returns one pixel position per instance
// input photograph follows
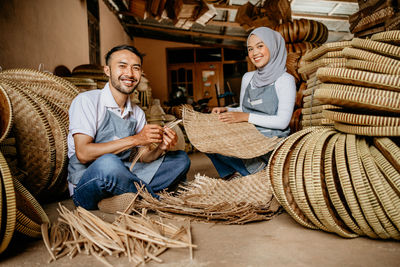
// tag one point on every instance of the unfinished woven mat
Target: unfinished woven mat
(237, 201)
(210, 135)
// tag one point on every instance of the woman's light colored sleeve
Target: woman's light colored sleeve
(286, 92)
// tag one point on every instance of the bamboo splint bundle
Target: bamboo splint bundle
(140, 238)
(143, 149)
(237, 201)
(210, 135)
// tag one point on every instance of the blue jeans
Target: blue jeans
(108, 176)
(226, 166)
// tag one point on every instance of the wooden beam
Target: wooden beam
(185, 32)
(319, 17)
(223, 23)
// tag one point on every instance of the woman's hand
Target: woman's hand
(233, 117)
(219, 110)
(169, 139)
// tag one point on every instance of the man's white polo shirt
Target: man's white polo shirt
(88, 110)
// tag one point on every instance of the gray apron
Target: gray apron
(112, 128)
(263, 101)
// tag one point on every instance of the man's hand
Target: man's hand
(219, 110)
(169, 139)
(232, 117)
(151, 133)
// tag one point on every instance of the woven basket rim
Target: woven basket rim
(368, 130)
(314, 185)
(373, 67)
(350, 52)
(358, 77)
(387, 36)
(9, 118)
(67, 84)
(48, 153)
(332, 181)
(351, 178)
(344, 116)
(381, 203)
(7, 188)
(358, 97)
(377, 47)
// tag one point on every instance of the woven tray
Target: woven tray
(30, 213)
(5, 114)
(361, 119)
(317, 109)
(363, 98)
(368, 130)
(314, 179)
(391, 174)
(379, 199)
(389, 149)
(377, 47)
(241, 140)
(332, 182)
(319, 63)
(381, 182)
(373, 66)
(325, 48)
(58, 129)
(357, 77)
(302, 189)
(351, 176)
(316, 122)
(369, 56)
(7, 204)
(392, 37)
(36, 149)
(33, 77)
(284, 188)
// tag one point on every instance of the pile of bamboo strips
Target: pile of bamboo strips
(140, 238)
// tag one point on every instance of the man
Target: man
(105, 126)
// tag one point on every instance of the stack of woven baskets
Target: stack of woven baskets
(375, 16)
(33, 145)
(345, 179)
(301, 36)
(88, 77)
(329, 54)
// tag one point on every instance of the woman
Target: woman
(267, 99)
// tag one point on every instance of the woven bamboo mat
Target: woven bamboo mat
(237, 201)
(241, 140)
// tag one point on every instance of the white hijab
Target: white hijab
(276, 65)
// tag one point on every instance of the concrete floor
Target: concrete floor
(279, 242)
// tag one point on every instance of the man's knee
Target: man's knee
(108, 163)
(182, 160)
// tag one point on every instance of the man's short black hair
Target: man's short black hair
(124, 47)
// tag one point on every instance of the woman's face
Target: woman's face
(258, 51)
